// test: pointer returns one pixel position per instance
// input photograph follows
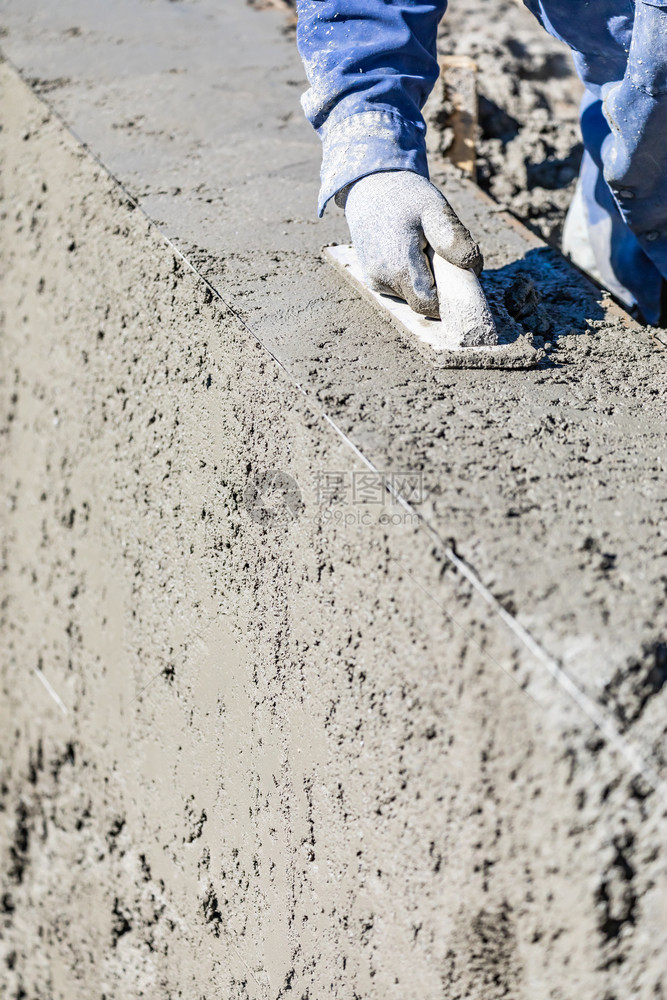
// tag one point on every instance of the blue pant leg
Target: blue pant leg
(621, 260)
(600, 33)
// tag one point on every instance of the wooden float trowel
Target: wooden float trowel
(465, 336)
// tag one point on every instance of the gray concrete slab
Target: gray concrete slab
(555, 476)
(541, 532)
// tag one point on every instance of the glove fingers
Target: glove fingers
(419, 287)
(411, 279)
(449, 237)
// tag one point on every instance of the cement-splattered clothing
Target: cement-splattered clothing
(372, 63)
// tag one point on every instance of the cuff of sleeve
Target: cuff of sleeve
(366, 143)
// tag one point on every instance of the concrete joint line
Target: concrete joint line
(584, 703)
(587, 706)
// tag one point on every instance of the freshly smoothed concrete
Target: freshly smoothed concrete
(370, 750)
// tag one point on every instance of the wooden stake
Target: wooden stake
(451, 113)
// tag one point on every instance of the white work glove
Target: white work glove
(393, 216)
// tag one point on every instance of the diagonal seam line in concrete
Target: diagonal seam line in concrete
(465, 631)
(54, 694)
(599, 719)
(587, 706)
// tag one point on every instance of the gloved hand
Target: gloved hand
(393, 216)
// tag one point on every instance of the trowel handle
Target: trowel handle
(464, 311)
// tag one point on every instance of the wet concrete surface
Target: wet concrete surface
(548, 485)
(193, 107)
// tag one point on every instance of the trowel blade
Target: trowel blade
(465, 337)
(466, 318)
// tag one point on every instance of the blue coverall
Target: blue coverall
(372, 63)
